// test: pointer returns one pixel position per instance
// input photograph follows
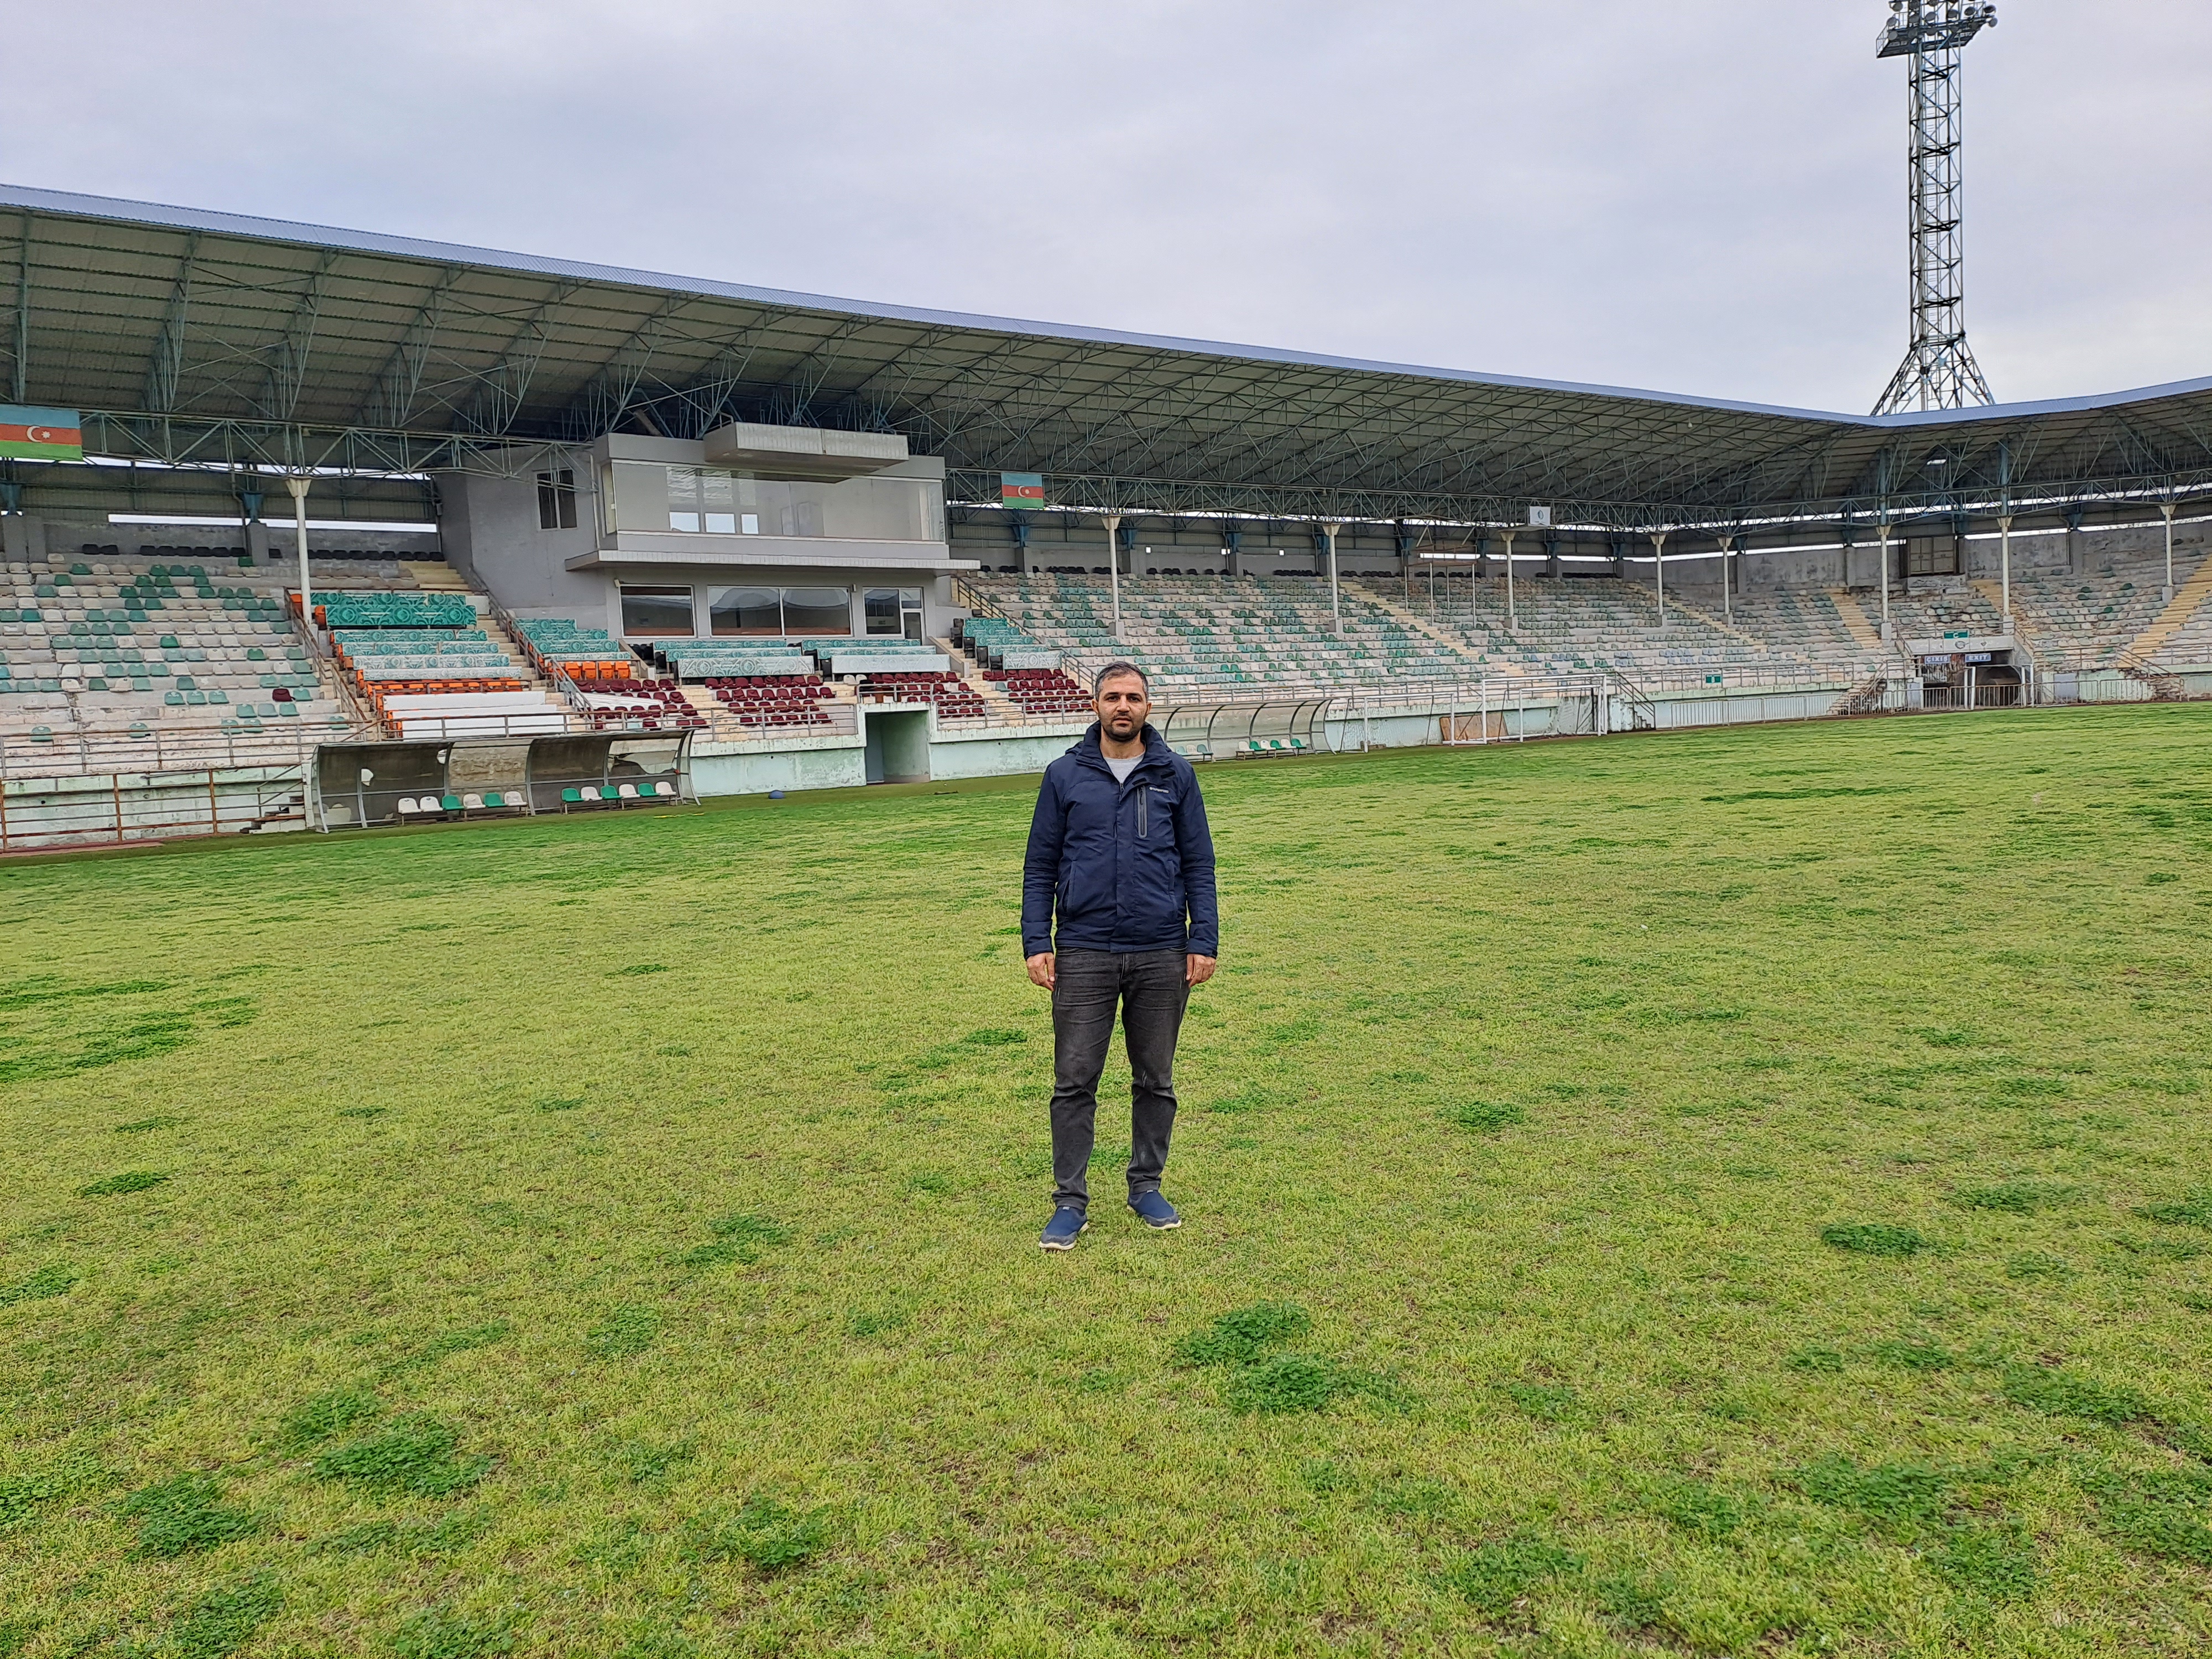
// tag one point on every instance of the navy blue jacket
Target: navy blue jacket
(1128, 867)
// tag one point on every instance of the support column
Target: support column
(1728, 579)
(298, 486)
(1335, 608)
(2167, 507)
(1512, 613)
(1113, 522)
(1885, 581)
(2004, 565)
(15, 533)
(1659, 570)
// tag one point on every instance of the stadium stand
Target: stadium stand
(1040, 690)
(1218, 636)
(558, 646)
(2100, 615)
(764, 702)
(633, 704)
(1581, 624)
(1815, 623)
(433, 664)
(1927, 614)
(150, 650)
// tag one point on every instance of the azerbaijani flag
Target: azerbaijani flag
(39, 434)
(1025, 489)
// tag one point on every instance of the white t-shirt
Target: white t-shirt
(1122, 768)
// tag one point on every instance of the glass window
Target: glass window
(656, 610)
(809, 612)
(684, 493)
(718, 503)
(557, 500)
(704, 500)
(882, 607)
(743, 611)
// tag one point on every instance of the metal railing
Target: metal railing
(116, 809)
(81, 751)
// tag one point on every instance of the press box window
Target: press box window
(703, 500)
(557, 500)
(665, 611)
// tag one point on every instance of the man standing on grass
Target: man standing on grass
(1119, 848)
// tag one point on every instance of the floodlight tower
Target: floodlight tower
(1939, 370)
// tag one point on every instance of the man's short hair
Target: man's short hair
(1111, 670)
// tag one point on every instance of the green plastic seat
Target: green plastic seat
(571, 797)
(451, 803)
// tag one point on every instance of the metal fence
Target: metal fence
(115, 809)
(93, 752)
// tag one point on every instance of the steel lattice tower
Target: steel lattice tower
(1939, 370)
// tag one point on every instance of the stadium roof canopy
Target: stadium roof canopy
(190, 337)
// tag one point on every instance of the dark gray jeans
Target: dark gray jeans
(1148, 985)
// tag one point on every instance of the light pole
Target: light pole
(1939, 370)
(1113, 521)
(2167, 507)
(1885, 579)
(297, 483)
(1335, 609)
(2004, 564)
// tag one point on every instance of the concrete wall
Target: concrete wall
(996, 757)
(492, 537)
(756, 771)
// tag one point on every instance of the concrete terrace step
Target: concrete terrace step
(2170, 621)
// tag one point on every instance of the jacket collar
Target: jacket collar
(1088, 750)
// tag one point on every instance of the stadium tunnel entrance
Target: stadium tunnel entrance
(898, 746)
(1970, 674)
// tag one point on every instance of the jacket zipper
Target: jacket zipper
(1143, 812)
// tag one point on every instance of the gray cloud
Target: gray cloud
(1696, 197)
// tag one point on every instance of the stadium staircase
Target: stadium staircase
(1719, 625)
(1867, 697)
(2099, 619)
(1415, 623)
(2179, 625)
(1856, 622)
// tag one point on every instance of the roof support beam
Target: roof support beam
(166, 366)
(606, 399)
(501, 388)
(23, 351)
(287, 367)
(390, 399)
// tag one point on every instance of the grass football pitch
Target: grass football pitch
(1735, 1194)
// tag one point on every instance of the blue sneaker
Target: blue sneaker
(1059, 1232)
(1154, 1210)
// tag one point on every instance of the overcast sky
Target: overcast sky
(1696, 196)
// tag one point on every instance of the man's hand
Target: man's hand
(1040, 967)
(1196, 970)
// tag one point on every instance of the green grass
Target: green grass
(1732, 1194)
